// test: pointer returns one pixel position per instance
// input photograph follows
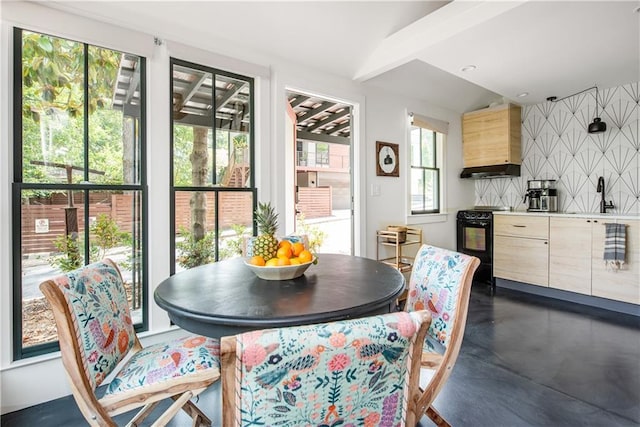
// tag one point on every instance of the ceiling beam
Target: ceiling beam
(408, 43)
(230, 93)
(330, 118)
(134, 81)
(321, 137)
(338, 128)
(299, 100)
(324, 106)
(190, 91)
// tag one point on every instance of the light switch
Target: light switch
(375, 190)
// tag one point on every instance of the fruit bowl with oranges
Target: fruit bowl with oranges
(290, 262)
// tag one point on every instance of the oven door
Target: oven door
(475, 237)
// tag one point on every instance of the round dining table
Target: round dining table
(227, 298)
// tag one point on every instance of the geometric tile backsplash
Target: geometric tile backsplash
(556, 145)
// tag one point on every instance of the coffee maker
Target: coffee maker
(542, 195)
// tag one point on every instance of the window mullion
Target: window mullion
(87, 101)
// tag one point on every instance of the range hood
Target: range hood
(494, 171)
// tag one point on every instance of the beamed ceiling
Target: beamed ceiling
(321, 120)
(318, 119)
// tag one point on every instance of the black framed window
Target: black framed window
(425, 170)
(79, 188)
(213, 193)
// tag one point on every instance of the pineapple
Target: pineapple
(266, 244)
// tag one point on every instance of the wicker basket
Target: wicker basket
(402, 233)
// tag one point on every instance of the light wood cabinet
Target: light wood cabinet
(570, 254)
(623, 284)
(521, 249)
(492, 136)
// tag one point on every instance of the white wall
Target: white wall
(380, 116)
(387, 121)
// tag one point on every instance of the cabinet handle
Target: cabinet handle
(519, 226)
(546, 243)
(595, 220)
(588, 220)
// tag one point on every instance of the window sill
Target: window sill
(427, 218)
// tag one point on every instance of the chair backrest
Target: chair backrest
(440, 282)
(354, 372)
(93, 319)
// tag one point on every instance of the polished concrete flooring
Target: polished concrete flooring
(525, 361)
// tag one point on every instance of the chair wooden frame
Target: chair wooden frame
(443, 363)
(99, 412)
(229, 371)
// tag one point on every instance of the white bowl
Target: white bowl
(284, 272)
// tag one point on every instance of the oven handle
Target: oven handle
(480, 223)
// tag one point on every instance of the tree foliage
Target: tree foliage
(53, 104)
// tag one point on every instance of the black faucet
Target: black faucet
(603, 204)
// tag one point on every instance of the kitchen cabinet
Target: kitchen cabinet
(521, 248)
(570, 253)
(492, 136)
(623, 284)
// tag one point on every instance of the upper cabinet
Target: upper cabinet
(491, 136)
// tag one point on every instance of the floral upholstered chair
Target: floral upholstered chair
(440, 282)
(358, 372)
(96, 333)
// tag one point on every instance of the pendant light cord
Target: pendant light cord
(554, 99)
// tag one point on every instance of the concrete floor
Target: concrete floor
(525, 361)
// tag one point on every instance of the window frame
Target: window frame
(20, 352)
(213, 189)
(438, 148)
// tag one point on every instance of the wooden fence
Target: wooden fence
(315, 202)
(234, 208)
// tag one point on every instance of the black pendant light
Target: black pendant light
(597, 126)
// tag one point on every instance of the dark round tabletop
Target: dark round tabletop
(226, 297)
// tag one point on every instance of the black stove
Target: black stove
(475, 237)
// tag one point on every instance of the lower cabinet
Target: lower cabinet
(576, 259)
(520, 248)
(521, 259)
(570, 254)
(569, 257)
(623, 284)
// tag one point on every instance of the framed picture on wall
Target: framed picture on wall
(387, 159)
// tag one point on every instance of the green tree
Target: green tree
(53, 107)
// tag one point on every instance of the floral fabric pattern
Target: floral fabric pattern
(434, 285)
(98, 303)
(349, 373)
(163, 362)
(97, 300)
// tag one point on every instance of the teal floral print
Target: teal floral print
(349, 373)
(432, 287)
(97, 300)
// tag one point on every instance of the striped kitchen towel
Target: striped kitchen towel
(615, 245)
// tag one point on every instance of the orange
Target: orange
(273, 262)
(284, 243)
(297, 248)
(257, 260)
(294, 261)
(305, 256)
(284, 252)
(283, 261)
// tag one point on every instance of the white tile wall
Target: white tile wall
(556, 145)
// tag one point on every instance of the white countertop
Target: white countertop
(612, 215)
